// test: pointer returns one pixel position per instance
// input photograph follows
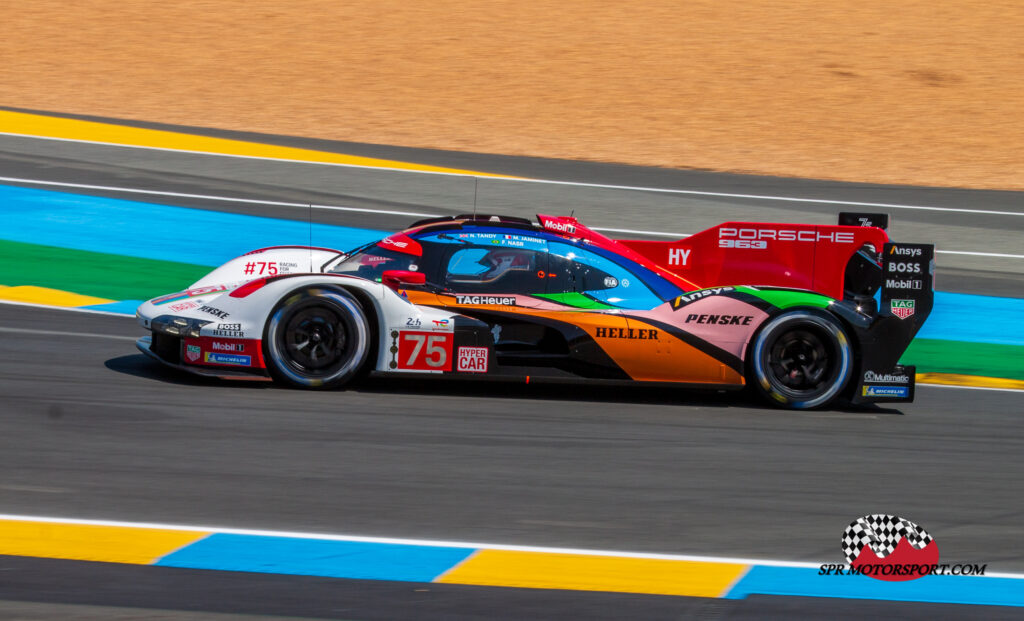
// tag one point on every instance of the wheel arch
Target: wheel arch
(856, 347)
(363, 299)
(779, 311)
(373, 313)
(847, 329)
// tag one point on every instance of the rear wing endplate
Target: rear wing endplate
(907, 296)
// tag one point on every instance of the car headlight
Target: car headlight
(179, 326)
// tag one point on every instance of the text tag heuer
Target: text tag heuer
(902, 308)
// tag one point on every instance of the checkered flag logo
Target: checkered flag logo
(882, 533)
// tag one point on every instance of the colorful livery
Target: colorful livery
(804, 314)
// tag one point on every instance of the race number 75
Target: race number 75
(425, 351)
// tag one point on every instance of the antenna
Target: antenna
(476, 183)
(310, 220)
(572, 211)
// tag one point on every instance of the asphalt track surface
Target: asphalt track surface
(94, 430)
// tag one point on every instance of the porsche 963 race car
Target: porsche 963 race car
(806, 314)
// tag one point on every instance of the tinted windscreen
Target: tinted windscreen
(371, 262)
(476, 269)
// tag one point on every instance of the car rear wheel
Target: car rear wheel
(317, 338)
(801, 359)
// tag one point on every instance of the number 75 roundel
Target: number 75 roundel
(425, 351)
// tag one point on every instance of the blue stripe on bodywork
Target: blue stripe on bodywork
(311, 557)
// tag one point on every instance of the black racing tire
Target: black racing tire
(801, 359)
(316, 338)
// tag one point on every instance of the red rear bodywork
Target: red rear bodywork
(802, 256)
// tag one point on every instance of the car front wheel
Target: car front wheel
(317, 338)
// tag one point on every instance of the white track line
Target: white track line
(981, 254)
(67, 308)
(229, 199)
(768, 197)
(434, 543)
(59, 333)
(765, 197)
(405, 541)
(635, 232)
(253, 201)
(255, 157)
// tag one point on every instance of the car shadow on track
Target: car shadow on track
(554, 391)
(578, 392)
(139, 365)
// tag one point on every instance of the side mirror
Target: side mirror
(397, 278)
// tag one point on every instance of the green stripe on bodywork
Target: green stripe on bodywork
(93, 273)
(784, 298)
(929, 355)
(985, 359)
(577, 300)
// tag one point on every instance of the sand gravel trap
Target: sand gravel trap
(895, 92)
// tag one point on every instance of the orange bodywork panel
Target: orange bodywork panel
(643, 351)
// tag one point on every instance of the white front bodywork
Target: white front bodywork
(276, 261)
(209, 299)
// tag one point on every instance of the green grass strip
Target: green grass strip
(985, 359)
(93, 273)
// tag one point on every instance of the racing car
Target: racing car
(803, 314)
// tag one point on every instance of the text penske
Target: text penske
(721, 320)
(216, 312)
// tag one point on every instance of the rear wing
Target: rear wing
(905, 301)
(803, 256)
